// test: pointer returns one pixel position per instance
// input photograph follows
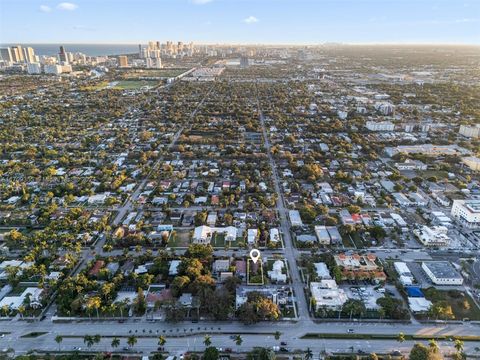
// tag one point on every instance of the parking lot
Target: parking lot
(366, 293)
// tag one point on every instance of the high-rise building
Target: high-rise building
(140, 54)
(17, 53)
(6, 55)
(244, 62)
(153, 63)
(62, 55)
(29, 55)
(122, 61)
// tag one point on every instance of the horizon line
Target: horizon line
(255, 44)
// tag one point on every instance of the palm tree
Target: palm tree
(401, 337)
(58, 340)
(308, 354)
(131, 341)
(207, 340)
(161, 340)
(458, 345)
(238, 340)
(433, 345)
(94, 303)
(88, 340)
(115, 342)
(277, 335)
(96, 338)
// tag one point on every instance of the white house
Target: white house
(276, 273)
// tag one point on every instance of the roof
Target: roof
(442, 269)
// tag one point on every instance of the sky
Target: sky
(240, 21)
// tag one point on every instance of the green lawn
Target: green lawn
(132, 84)
(179, 239)
(461, 303)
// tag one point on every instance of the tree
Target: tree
(115, 342)
(432, 344)
(277, 335)
(207, 340)
(96, 338)
(162, 340)
(308, 354)
(422, 352)
(88, 340)
(94, 303)
(140, 302)
(458, 344)
(401, 337)
(211, 353)
(58, 340)
(131, 341)
(238, 340)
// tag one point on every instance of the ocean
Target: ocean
(87, 49)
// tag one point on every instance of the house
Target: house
(276, 274)
(98, 198)
(322, 271)
(212, 218)
(241, 268)
(323, 236)
(186, 300)
(221, 265)
(252, 235)
(274, 235)
(295, 218)
(157, 294)
(173, 268)
(96, 268)
(14, 302)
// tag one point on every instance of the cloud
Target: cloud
(201, 2)
(67, 6)
(250, 20)
(45, 8)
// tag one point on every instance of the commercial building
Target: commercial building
(34, 68)
(432, 236)
(53, 69)
(122, 61)
(427, 149)
(472, 162)
(405, 276)
(467, 213)
(326, 295)
(380, 126)
(203, 234)
(360, 267)
(442, 273)
(470, 131)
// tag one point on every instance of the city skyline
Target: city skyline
(241, 22)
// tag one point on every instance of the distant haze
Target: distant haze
(87, 49)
